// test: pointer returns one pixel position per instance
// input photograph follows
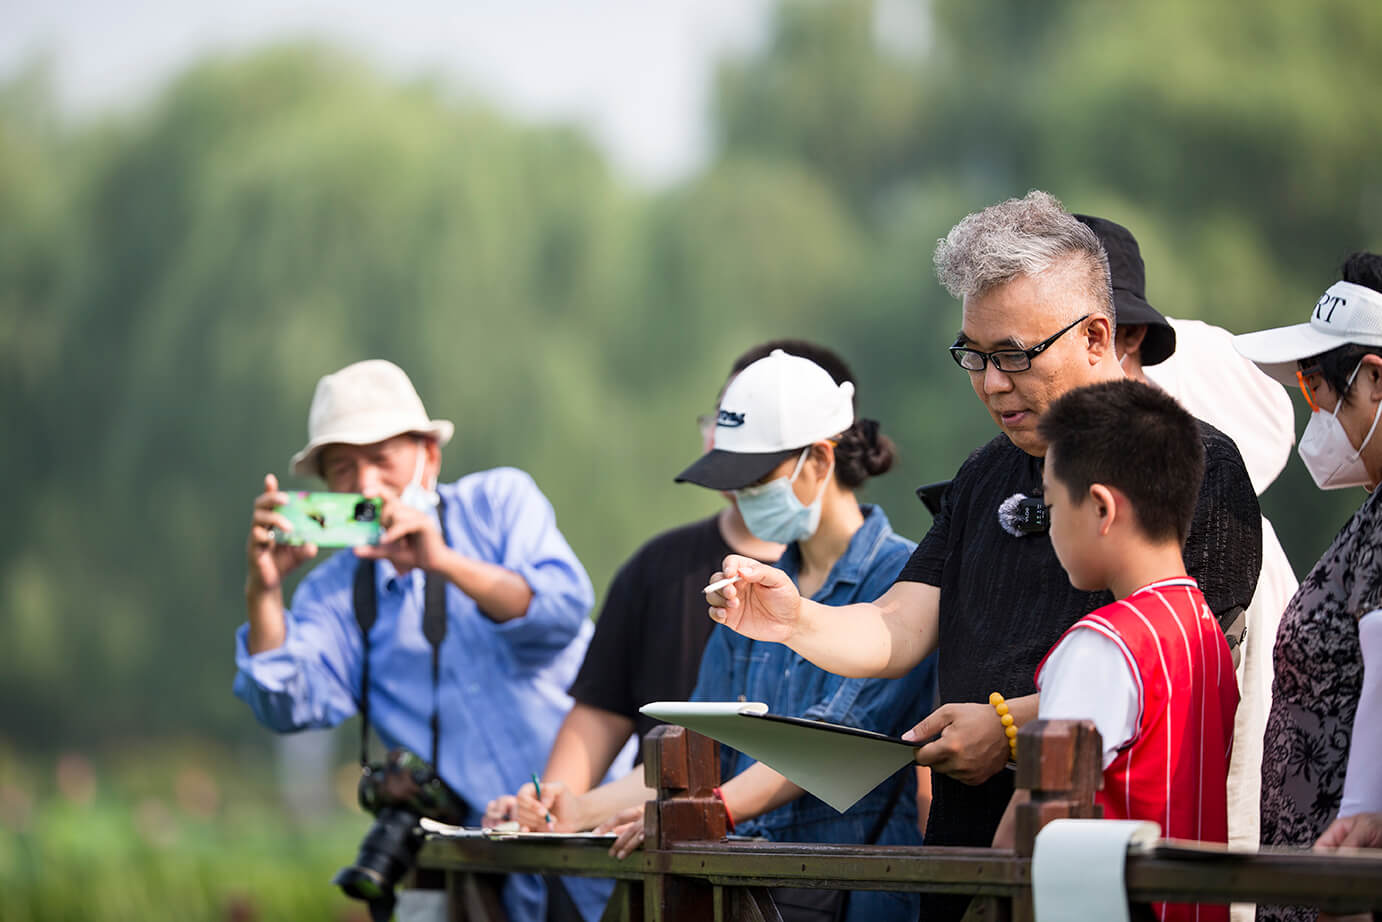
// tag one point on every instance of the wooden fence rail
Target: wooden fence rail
(688, 873)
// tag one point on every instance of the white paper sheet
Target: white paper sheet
(507, 831)
(1077, 868)
(837, 764)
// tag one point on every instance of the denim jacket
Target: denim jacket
(736, 668)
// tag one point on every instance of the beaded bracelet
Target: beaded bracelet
(1009, 727)
(729, 817)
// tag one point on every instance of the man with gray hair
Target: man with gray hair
(984, 586)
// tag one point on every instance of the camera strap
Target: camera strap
(433, 628)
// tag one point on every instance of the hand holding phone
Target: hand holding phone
(329, 520)
(268, 561)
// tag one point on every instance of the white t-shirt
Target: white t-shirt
(1086, 677)
(1215, 383)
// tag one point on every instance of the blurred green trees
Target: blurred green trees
(173, 280)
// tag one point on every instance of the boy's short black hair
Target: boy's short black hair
(1136, 438)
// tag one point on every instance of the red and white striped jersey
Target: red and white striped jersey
(1174, 770)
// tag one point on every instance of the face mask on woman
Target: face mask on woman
(773, 512)
(1327, 452)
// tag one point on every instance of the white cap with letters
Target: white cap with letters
(1345, 314)
(769, 412)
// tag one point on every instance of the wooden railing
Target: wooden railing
(687, 872)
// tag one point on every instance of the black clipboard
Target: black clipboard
(836, 763)
(836, 728)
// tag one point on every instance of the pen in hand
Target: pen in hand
(537, 789)
(720, 584)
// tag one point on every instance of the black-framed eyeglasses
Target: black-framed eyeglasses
(1006, 360)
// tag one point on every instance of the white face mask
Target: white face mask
(415, 494)
(773, 512)
(1327, 452)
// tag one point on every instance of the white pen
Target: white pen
(720, 584)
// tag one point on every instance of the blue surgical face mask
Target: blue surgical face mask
(773, 512)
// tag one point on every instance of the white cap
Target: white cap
(769, 412)
(1346, 314)
(362, 404)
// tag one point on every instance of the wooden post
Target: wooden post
(474, 898)
(1059, 766)
(626, 903)
(684, 768)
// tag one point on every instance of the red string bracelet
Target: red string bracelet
(729, 817)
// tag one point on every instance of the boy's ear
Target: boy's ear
(1104, 502)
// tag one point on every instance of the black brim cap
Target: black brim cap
(770, 411)
(733, 470)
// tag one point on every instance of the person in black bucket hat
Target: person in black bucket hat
(1142, 330)
(1195, 362)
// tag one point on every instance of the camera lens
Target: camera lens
(365, 511)
(386, 853)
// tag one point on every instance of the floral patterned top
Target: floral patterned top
(1319, 675)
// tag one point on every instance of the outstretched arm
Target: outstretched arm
(885, 638)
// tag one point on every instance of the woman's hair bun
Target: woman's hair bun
(863, 451)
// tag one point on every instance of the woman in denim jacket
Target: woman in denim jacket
(788, 446)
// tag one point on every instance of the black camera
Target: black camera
(399, 792)
(366, 510)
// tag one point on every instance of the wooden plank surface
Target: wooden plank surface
(1331, 881)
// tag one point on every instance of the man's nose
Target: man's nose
(996, 381)
(368, 478)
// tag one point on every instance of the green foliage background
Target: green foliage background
(175, 277)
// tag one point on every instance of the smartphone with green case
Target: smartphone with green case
(330, 519)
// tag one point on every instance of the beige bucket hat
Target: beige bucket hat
(362, 404)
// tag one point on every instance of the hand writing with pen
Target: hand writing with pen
(534, 809)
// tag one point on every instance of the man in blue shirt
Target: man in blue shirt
(516, 607)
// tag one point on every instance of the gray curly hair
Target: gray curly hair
(1020, 237)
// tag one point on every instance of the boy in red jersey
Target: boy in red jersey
(1152, 669)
